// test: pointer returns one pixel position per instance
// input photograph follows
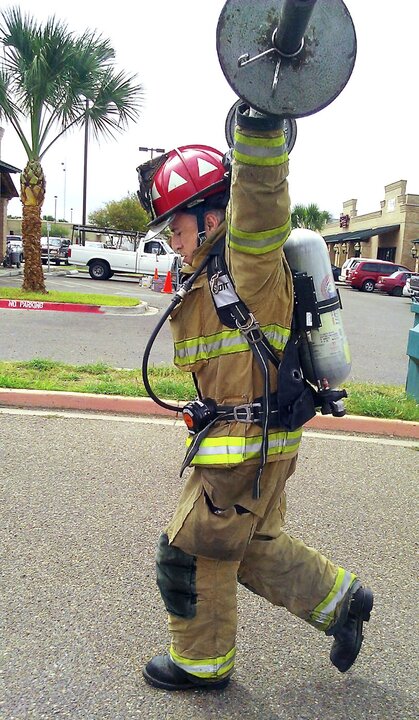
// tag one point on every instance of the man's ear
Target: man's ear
(211, 221)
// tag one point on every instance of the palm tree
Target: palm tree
(50, 81)
(309, 216)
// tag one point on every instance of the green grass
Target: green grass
(381, 401)
(11, 293)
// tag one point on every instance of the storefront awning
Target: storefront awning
(5, 167)
(7, 188)
(359, 234)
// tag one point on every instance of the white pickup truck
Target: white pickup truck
(127, 256)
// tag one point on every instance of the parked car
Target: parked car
(393, 284)
(366, 273)
(411, 288)
(348, 265)
(15, 242)
(65, 244)
(336, 272)
(414, 286)
(58, 250)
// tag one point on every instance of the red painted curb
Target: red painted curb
(145, 406)
(41, 305)
(365, 425)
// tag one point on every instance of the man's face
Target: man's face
(185, 235)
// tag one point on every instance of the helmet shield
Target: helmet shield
(158, 228)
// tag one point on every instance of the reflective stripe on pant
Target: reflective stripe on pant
(205, 644)
(290, 574)
(230, 535)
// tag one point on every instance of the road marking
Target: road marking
(63, 280)
(146, 420)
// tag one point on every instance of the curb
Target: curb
(145, 406)
(38, 305)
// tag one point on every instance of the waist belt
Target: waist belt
(249, 412)
(253, 412)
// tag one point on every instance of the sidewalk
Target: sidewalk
(117, 404)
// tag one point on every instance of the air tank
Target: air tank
(325, 354)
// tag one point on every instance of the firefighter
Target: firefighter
(222, 530)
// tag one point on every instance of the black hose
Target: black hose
(176, 300)
(179, 295)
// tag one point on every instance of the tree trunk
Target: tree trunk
(32, 188)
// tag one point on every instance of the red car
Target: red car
(393, 284)
(365, 274)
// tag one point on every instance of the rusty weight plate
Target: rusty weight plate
(306, 83)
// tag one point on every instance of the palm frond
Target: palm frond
(116, 102)
(48, 73)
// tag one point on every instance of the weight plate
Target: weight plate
(290, 128)
(308, 82)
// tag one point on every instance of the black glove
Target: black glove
(252, 119)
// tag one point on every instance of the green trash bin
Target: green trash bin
(412, 381)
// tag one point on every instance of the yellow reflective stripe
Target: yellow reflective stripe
(210, 346)
(260, 151)
(205, 667)
(258, 243)
(278, 336)
(234, 450)
(267, 142)
(225, 342)
(260, 161)
(323, 615)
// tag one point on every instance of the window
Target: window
(153, 246)
(369, 267)
(386, 253)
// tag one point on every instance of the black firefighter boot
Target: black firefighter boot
(347, 630)
(161, 672)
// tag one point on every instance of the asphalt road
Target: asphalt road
(83, 502)
(377, 327)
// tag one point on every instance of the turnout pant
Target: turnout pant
(219, 534)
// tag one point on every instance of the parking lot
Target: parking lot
(377, 327)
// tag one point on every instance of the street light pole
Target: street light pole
(55, 208)
(151, 150)
(65, 187)
(71, 216)
(86, 143)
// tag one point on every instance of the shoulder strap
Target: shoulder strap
(230, 308)
(234, 313)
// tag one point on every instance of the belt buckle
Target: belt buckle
(244, 413)
(251, 330)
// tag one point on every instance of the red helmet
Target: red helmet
(180, 179)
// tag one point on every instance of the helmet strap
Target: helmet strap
(199, 212)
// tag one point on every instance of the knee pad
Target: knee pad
(176, 579)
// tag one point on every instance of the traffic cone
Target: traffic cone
(168, 287)
(156, 275)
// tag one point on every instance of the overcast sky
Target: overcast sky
(366, 139)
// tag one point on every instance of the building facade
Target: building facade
(7, 192)
(390, 233)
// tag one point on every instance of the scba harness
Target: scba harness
(295, 400)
